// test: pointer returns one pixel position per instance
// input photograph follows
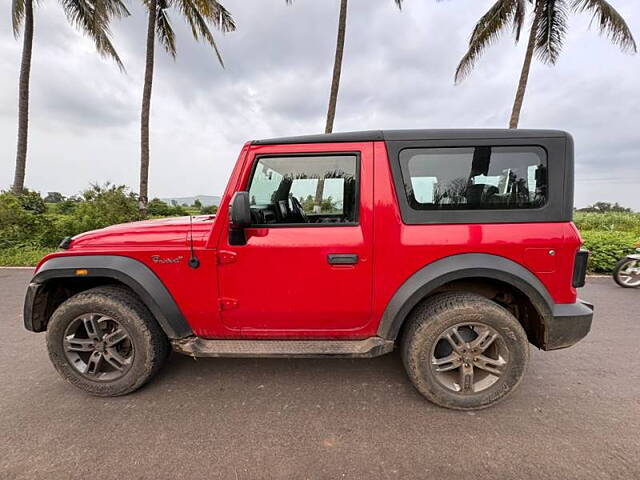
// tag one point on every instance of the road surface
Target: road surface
(575, 416)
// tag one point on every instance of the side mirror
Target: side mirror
(240, 214)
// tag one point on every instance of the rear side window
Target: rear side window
(475, 178)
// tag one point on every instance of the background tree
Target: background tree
(198, 14)
(546, 34)
(54, 197)
(209, 210)
(91, 17)
(605, 207)
(337, 63)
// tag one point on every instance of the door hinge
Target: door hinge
(227, 303)
(225, 257)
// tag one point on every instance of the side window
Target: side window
(470, 178)
(318, 189)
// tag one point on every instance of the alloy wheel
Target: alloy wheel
(468, 358)
(98, 347)
(629, 273)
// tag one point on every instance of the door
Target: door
(306, 267)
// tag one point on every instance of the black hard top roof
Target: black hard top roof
(408, 135)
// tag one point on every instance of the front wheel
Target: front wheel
(627, 273)
(463, 351)
(105, 341)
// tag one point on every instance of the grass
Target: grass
(608, 222)
(22, 256)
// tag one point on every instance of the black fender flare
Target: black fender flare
(132, 273)
(457, 267)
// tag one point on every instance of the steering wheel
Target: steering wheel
(297, 208)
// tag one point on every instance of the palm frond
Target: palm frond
(90, 17)
(609, 21)
(551, 31)
(115, 9)
(17, 15)
(164, 30)
(198, 12)
(106, 49)
(217, 14)
(486, 31)
(518, 17)
(103, 12)
(199, 28)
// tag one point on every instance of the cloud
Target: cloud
(397, 73)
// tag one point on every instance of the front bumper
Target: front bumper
(569, 324)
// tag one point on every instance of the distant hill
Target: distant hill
(205, 200)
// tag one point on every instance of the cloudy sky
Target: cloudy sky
(397, 73)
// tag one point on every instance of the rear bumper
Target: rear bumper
(569, 324)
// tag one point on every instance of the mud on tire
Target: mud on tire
(444, 341)
(92, 323)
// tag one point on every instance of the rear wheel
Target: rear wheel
(463, 351)
(105, 341)
(627, 273)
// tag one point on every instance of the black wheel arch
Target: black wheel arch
(468, 267)
(57, 279)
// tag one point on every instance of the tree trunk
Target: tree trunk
(337, 67)
(317, 203)
(23, 99)
(146, 105)
(524, 75)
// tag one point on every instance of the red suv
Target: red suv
(455, 246)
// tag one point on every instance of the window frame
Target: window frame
(559, 202)
(341, 153)
(404, 169)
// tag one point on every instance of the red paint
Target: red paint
(280, 285)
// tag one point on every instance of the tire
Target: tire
(426, 349)
(616, 273)
(134, 356)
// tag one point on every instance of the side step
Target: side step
(202, 347)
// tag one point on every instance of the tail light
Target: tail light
(580, 268)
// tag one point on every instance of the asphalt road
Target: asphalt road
(576, 415)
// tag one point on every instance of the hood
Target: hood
(164, 232)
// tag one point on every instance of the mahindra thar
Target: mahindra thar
(455, 246)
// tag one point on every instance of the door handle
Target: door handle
(342, 258)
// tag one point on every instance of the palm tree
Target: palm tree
(89, 16)
(337, 63)
(197, 13)
(546, 35)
